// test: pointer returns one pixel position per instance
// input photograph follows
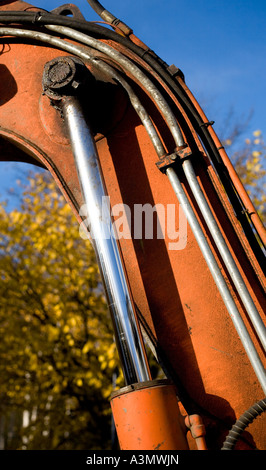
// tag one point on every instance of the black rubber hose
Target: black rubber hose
(242, 423)
(109, 17)
(96, 6)
(41, 17)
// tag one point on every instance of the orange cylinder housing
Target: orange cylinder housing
(147, 417)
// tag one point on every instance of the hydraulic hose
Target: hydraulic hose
(42, 18)
(108, 16)
(242, 423)
(99, 8)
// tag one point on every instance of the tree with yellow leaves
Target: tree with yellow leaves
(57, 355)
(249, 161)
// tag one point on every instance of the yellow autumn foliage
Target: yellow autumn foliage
(54, 326)
(250, 164)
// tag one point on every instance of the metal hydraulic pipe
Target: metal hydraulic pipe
(128, 337)
(218, 278)
(136, 103)
(225, 253)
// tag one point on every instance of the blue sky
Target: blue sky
(220, 45)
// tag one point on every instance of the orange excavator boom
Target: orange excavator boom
(119, 130)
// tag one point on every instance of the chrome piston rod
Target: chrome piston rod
(127, 333)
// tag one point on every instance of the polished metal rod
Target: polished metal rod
(127, 332)
(218, 278)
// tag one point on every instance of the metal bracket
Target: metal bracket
(68, 9)
(207, 124)
(169, 160)
(175, 72)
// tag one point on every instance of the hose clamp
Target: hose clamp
(169, 160)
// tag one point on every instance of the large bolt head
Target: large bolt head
(61, 75)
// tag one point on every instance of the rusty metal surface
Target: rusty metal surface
(68, 9)
(173, 289)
